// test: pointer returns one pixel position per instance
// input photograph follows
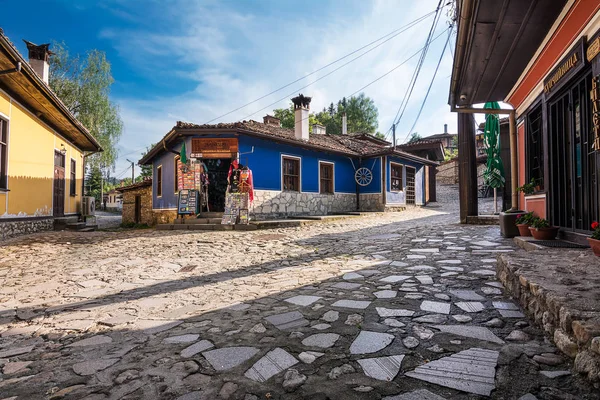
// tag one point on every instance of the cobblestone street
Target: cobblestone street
(393, 306)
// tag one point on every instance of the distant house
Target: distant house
(42, 145)
(448, 139)
(137, 203)
(113, 201)
(295, 172)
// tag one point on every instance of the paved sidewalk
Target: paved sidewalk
(396, 306)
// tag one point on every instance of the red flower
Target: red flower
(519, 215)
(595, 225)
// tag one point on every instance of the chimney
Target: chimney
(271, 120)
(318, 129)
(344, 124)
(301, 111)
(445, 128)
(38, 59)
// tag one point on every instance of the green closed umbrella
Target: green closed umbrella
(494, 172)
(182, 154)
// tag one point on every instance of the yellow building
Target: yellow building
(42, 145)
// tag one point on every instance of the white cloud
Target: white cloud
(230, 57)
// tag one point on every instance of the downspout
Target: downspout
(358, 187)
(167, 149)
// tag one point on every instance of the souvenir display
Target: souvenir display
(187, 202)
(240, 179)
(236, 209)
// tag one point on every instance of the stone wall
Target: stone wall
(9, 229)
(559, 290)
(371, 202)
(164, 216)
(270, 204)
(447, 172)
(147, 215)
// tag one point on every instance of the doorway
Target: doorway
(58, 204)
(410, 185)
(574, 200)
(138, 209)
(218, 168)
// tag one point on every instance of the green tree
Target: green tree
(93, 182)
(414, 137)
(361, 114)
(83, 84)
(146, 170)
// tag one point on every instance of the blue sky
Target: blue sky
(195, 60)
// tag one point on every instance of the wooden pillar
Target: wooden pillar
(432, 183)
(467, 167)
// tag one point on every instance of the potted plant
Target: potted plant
(528, 188)
(542, 230)
(523, 222)
(594, 240)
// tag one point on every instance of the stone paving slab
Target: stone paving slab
(271, 364)
(229, 357)
(382, 368)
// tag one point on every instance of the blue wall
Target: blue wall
(399, 197)
(265, 163)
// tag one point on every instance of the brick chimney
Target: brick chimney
(38, 59)
(271, 120)
(301, 111)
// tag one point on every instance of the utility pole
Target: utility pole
(394, 135)
(132, 171)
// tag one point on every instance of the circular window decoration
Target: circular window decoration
(363, 176)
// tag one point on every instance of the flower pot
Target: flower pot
(548, 233)
(523, 230)
(595, 245)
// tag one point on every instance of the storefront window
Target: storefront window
(534, 149)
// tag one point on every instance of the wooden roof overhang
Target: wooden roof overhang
(495, 41)
(27, 88)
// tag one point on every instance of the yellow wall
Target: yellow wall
(31, 146)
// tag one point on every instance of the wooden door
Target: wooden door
(138, 209)
(58, 206)
(410, 185)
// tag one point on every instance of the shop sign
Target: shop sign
(567, 67)
(595, 98)
(214, 148)
(593, 49)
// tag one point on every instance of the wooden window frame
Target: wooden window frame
(73, 178)
(392, 177)
(332, 165)
(534, 149)
(3, 154)
(283, 175)
(176, 173)
(159, 181)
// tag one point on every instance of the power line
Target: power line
(413, 81)
(430, 84)
(326, 75)
(394, 32)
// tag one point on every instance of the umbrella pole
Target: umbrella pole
(495, 201)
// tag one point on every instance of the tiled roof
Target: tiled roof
(419, 142)
(358, 145)
(145, 182)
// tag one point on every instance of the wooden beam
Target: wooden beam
(467, 167)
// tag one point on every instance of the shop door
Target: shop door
(138, 209)
(410, 185)
(218, 168)
(58, 206)
(573, 195)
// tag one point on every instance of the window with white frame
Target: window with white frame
(396, 177)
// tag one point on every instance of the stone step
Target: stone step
(75, 226)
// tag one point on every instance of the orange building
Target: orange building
(543, 58)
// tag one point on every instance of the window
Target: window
(291, 174)
(73, 181)
(3, 154)
(159, 181)
(176, 167)
(396, 177)
(326, 177)
(534, 150)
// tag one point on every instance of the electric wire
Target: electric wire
(430, 85)
(320, 78)
(395, 33)
(413, 81)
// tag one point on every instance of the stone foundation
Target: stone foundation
(371, 202)
(270, 204)
(559, 290)
(10, 229)
(163, 216)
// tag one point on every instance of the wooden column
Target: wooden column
(467, 167)
(432, 183)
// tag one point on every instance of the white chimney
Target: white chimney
(445, 128)
(301, 111)
(318, 129)
(38, 59)
(344, 125)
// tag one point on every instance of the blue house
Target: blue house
(294, 172)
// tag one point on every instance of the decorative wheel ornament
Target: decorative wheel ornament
(363, 176)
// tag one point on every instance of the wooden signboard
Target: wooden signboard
(214, 147)
(188, 202)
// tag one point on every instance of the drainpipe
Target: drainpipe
(358, 188)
